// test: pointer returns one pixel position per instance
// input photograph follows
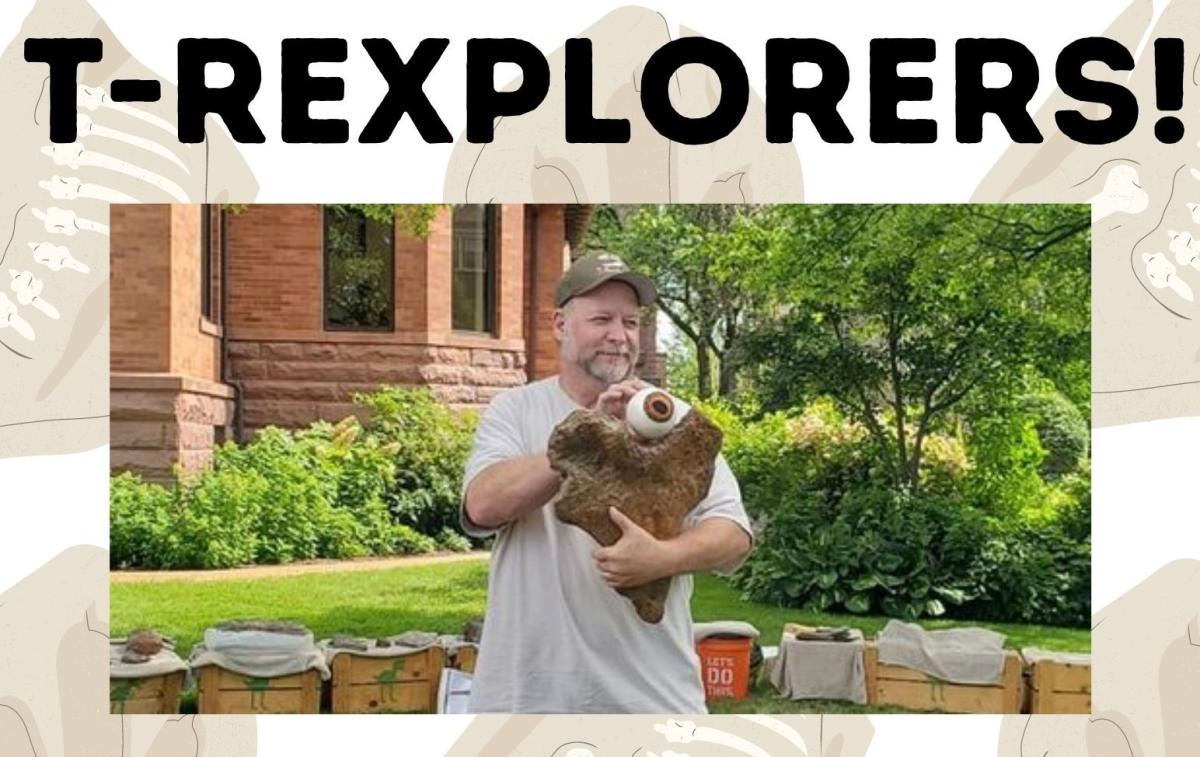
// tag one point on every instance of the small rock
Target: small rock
(344, 641)
(145, 643)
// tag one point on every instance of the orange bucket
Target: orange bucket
(725, 666)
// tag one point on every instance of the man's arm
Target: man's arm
(638, 558)
(506, 490)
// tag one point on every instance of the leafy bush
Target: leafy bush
(1061, 429)
(140, 517)
(217, 523)
(453, 541)
(870, 550)
(432, 443)
(1034, 574)
(330, 490)
(983, 537)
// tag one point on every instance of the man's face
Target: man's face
(598, 332)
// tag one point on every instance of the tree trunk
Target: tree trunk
(726, 374)
(703, 371)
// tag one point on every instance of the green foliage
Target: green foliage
(432, 443)
(1062, 431)
(903, 313)
(330, 490)
(453, 541)
(869, 550)
(140, 518)
(835, 534)
(217, 524)
(1034, 573)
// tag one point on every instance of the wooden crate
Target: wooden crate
(463, 658)
(1063, 688)
(152, 695)
(407, 683)
(904, 687)
(223, 692)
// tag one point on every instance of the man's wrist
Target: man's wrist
(673, 562)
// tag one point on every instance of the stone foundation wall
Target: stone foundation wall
(292, 384)
(157, 420)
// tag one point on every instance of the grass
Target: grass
(442, 597)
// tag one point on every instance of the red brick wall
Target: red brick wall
(548, 263)
(291, 371)
(155, 293)
(274, 270)
(195, 352)
(510, 275)
(139, 288)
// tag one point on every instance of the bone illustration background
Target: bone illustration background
(1145, 678)
(656, 736)
(54, 227)
(1145, 313)
(54, 376)
(1140, 187)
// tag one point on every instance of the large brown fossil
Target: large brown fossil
(654, 482)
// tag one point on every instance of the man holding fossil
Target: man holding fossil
(557, 637)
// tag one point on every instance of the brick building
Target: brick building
(224, 322)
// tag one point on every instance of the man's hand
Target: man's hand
(636, 558)
(614, 399)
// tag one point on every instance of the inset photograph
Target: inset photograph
(374, 458)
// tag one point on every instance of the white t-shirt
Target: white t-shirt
(556, 638)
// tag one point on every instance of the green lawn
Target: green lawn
(442, 597)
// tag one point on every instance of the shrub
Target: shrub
(402, 540)
(452, 540)
(432, 443)
(1061, 429)
(140, 517)
(868, 550)
(1034, 574)
(984, 536)
(294, 503)
(217, 524)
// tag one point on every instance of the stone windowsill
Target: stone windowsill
(400, 338)
(168, 382)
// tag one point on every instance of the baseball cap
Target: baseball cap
(596, 268)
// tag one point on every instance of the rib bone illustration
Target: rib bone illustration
(60, 221)
(56, 257)
(28, 290)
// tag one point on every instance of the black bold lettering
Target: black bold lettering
(972, 99)
(484, 103)
(405, 93)
(298, 88)
(231, 103)
(1069, 72)
(888, 89)
(819, 103)
(581, 125)
(656, 99)
(63, 55)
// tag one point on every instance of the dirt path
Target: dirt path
(291, 569)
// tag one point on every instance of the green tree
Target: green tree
(903, 312)
(699, 257)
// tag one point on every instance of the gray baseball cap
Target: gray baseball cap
(596, 268)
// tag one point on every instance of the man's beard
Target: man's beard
(598, 367)
(608, 373)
